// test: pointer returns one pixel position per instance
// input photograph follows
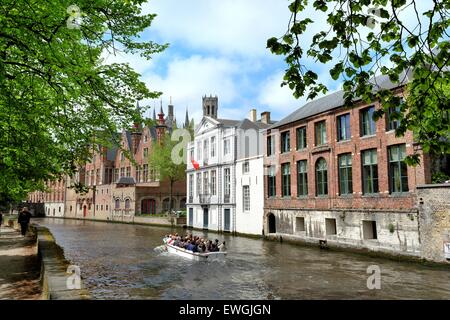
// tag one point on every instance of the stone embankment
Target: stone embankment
(43, 267)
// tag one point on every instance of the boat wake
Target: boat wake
(160, 249)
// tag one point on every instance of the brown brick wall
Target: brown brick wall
(381, 140)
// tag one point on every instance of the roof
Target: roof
(336, 100)
(126, 180)
(228, 122)
(248, 124)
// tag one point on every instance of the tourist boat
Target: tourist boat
(196, 256)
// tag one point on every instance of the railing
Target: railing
(205, 198)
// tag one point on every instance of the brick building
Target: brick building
(53, 199)
(334, 174)
(119, 188)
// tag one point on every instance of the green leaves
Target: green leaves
(391, 49)
(55, 94)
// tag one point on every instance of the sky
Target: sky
(219, 48)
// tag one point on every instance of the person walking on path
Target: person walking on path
(24, 220)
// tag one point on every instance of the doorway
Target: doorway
(227, 220)
(272, 224)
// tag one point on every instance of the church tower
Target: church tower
(210, 106)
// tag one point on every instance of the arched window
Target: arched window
(117, 204)
(166, 204)
(321, 177)
(127, 203)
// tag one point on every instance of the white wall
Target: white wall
(54, 209)
(250, 222)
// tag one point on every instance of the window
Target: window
(270, 145)
(206, 149)
(106, 207)
(226, 146)
(321, 177)
(127, 204)
(213, 147)
(117, 204)
(345, 173)
(145, 173)
(343, 127)
(391, 115)
(122, 172)
(300, 224)
(138, 174)
(302, 178)
(122, 156)
(199, 184)
(227, 181)
(128, 171)
(199, 150)
(330, 226)
(398, 173)
(246, 197)
(285, 141)
(271, 182)
(145, 138)
(245, 167)
(191, 154)
(205, 182)
(320, 130)
(370, 171)
(145, 152)
(116, 175)
(301, 138)
(213, 182)
(369, 229)
(367, 122)
(191, 185)
(286, 179)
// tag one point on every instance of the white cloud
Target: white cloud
(278, 99)
(226, 26)
(188, 79)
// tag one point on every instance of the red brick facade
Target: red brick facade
(380, 141)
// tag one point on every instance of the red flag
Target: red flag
(195, 164)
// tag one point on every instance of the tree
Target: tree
(161, 159)
(57, 97)
(369, 37)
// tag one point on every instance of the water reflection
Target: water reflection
(118, 262)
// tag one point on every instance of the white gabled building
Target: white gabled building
(226, 192)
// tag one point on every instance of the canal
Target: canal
(118, 261)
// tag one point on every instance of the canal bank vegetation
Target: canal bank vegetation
(58, 96)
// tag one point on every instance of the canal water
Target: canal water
(118, 261)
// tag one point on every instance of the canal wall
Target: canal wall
(54, 266)
(390, 232)
(57, 283)
(434, 219)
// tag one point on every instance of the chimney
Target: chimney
(253, 115)
(265, 117)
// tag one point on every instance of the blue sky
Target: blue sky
(219, 48)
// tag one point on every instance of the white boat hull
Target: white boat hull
(209, 256)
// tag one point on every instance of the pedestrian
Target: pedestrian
(24, 220)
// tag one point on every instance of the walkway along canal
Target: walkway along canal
(117, 261)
